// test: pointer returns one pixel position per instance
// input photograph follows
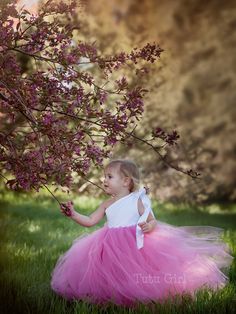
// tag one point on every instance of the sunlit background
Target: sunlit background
(192, 88)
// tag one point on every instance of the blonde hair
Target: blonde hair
(129, 169)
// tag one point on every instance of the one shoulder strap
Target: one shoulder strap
(147, 206)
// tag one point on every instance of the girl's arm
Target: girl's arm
(151, 222)
(86, 221)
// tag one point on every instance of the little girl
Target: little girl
(134, 257)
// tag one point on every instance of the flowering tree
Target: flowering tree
(65, 114)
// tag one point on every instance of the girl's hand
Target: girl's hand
(67, 208)
(145, 226)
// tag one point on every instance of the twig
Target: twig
(93, 184)
(52, 194)
(162, 158)
(3, 176)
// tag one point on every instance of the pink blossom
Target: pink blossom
(70, 118)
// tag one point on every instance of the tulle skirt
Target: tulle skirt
(107, 266)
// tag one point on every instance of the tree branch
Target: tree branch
(163, 158)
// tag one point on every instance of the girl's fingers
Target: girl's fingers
(65, 206)
(145, 227)
(65, 209)
(141, 224)
(63, 212)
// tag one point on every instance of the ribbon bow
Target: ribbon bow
(147, 205)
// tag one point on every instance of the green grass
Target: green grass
(34, 233)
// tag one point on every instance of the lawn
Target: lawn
(34, 233)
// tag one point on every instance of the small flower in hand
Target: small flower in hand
(67, 208)
(145, 226)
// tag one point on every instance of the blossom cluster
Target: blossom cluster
(64, 122)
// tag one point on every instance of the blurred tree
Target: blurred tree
(64, 104)
(196, 74)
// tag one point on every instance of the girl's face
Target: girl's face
(114, 181)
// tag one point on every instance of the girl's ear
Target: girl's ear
(127, 181)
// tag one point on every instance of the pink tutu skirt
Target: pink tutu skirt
(107, 266)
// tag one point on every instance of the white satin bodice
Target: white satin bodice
(124, 213)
